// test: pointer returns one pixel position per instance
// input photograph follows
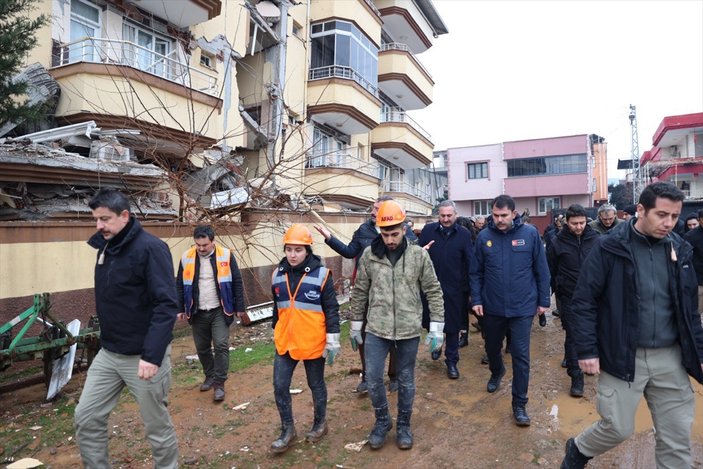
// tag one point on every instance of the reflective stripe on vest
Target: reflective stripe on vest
(224, 279)
(301, 328)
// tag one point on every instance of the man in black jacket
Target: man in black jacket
(135, 298)
(636, 323)
(210, 294)
(565, 255)
(695, 238)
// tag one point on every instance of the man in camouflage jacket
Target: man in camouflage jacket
(391, 275)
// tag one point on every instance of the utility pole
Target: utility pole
(635, 155)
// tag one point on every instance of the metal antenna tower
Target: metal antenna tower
(635, 154)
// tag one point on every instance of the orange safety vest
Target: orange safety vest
(301, 329)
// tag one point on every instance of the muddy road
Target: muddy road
(456, 423)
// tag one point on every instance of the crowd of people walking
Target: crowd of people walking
(627, 293)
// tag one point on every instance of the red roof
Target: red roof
(677, 122)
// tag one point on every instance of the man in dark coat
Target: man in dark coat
(451, 251)
(509, 286)
(565, 256)
(695, 238)
(135, 297)
(636, 323)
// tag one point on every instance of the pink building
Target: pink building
(540, 174)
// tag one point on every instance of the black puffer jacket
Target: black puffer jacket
(135, 293)
(606, 307)
(566, 255)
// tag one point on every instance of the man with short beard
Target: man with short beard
(636, 323)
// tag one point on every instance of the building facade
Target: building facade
(540, 174)
(677, 154)
(250, 115)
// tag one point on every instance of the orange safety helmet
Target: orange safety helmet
(298, 234)
(390, 213)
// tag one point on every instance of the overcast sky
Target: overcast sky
(514, 70)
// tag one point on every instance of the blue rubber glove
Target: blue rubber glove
(332, 348)
(435, 338)
(355, 334)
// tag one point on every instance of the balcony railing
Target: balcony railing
(344, 161)
(398, 115)
(404, 47)
(348, 73)
(109, 51)
(404, 187)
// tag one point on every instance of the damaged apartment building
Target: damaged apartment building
(247, 114)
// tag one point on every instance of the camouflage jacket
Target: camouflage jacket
(393, 293)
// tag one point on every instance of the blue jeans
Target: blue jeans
(283, 367)
(210, 331)
(377, 349)
(495, 328)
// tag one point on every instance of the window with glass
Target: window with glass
(85, 27)
(148, 51)
(477, 170)
(326, 150)
(549, 165)
(545, 204)
(482, 207)
(340, 49)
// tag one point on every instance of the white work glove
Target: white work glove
(355, 334)
(332, 348)
(435, 338)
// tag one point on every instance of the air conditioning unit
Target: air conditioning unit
(110, 151)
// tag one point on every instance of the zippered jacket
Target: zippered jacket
(606, 304)
(695, 237)
(511, 276)
(393, 292)
(135, 293)
(565, 256)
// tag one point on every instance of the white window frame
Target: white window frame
(545, 204)
(482, 207)
(152, 61)
(84, 52)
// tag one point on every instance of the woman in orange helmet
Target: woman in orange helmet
(305, 327)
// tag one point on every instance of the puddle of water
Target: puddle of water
(574, 415)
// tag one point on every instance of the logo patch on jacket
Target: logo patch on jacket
(277, 291)
(518, 242)
(224, 264)
(312, 295)
(489, 243)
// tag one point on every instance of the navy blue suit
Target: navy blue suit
(452, 255)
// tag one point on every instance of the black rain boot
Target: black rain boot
(318, 430)
(377, 437)
(576, 384)
(286, 440)
(573, 458)
(404, 436)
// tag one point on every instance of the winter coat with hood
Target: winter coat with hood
(565, 257)
(511, 277)
(135, 293)
(392, 292)
(606, 304)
